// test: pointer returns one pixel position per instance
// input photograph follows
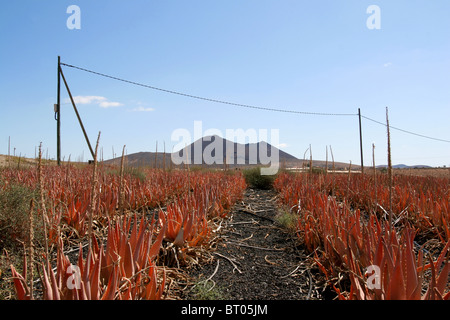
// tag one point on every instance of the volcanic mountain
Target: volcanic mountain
(213, 151)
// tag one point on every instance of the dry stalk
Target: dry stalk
(374, 175)
(389, 169)
(229, 260)
(30, 246)
(310, 285)
(94, 194)
(238, 243)
(332, 159)
(188, 169)
(121, 191)
(164, 157)
(42, 202)
(348, 179)
(310, 160)
(156, 156)
(210, 278)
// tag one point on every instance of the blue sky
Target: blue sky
(313, 56)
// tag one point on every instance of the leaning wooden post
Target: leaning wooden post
(76, 112)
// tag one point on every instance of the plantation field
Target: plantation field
(425, 172)
(371, 239)
(104, 232)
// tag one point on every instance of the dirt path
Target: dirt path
(256, 259)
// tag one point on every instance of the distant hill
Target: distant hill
(215, 149)
(404, 166)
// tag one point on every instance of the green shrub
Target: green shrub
(134, 173)
(256, 180)
(202, 291)
(288, 220)
(15, 203)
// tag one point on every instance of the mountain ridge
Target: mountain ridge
(404, 166)
(215, 148)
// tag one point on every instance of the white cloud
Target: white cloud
(142, 109)
(109, 104)
(387, 64)
(282, 145)
(99, 100)
(88, 99)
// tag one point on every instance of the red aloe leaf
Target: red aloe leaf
(138, 245)
(379, 252)
(87, 268)
(143, 254)
(356, 286)
(85, 289)
(188, 226)
(128, 264)
(123, 243)
(95, 279)
(179, 239)
(163, 284)
(443, 278)
(412, 279)
(48, 293)
(150, 292)
(79, 294)
(397, 289)
(134, 233)
(430, 294)
(20, 285)
(359, 291)
(388, 259)
(442, 255)
(445, 225)
(111, 288)
(54, 282)
(438, 295)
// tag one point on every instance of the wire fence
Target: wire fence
(251, 106)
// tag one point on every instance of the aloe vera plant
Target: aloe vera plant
(123, 265)
(348, 238)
